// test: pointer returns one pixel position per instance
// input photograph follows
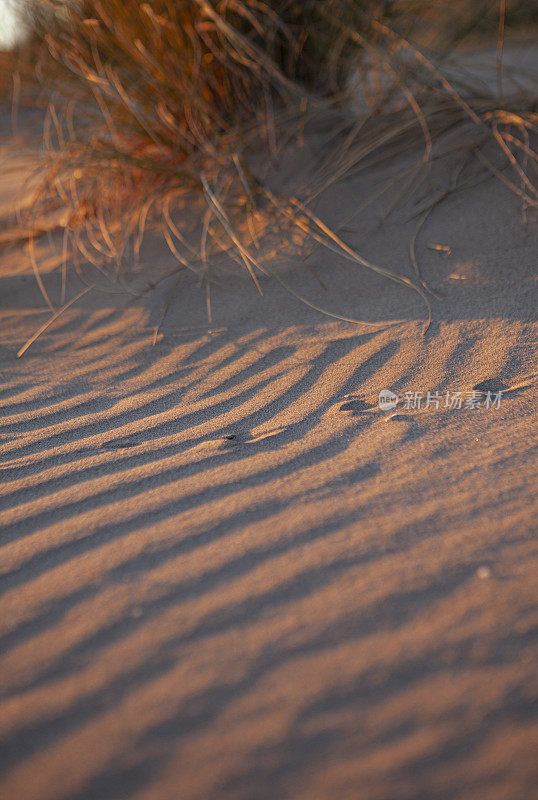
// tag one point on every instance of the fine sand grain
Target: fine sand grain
(226, 574)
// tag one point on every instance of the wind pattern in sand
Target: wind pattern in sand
(226, 574)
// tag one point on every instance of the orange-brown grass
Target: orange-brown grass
(150, 100)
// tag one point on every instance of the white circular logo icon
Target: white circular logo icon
(387, 400)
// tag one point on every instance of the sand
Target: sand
(227, 573)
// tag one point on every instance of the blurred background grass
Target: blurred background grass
(147, 100)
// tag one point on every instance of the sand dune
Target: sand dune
(226, 573)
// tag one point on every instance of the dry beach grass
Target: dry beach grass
(154, 103)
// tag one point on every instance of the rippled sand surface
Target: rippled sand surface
(226, 573)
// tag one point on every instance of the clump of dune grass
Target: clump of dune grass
(150, 101)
